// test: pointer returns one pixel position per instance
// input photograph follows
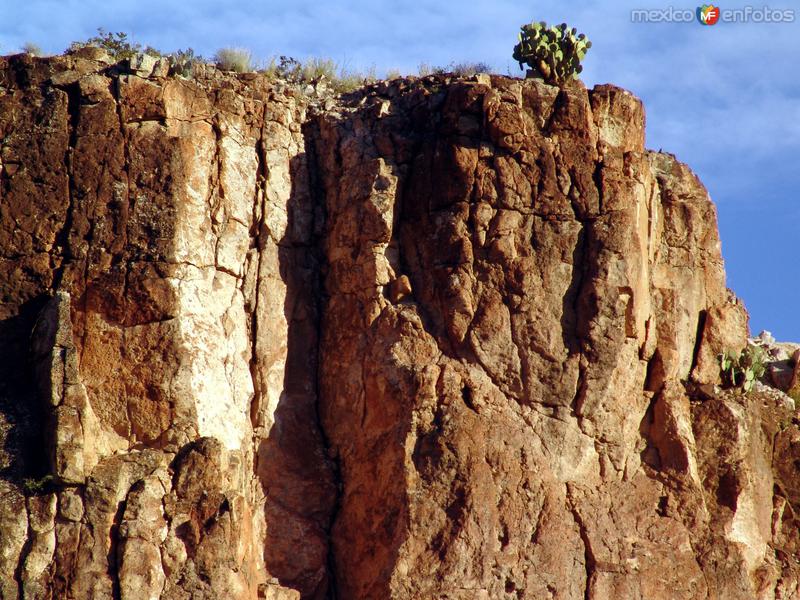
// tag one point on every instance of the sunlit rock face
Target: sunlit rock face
(159, 287)
(437, 338)
(536, 382)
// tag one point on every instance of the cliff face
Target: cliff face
(173, 369)
(437, 339)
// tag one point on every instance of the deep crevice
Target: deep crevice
(589, 560)
(656, 374)
(597, 177)
(698, 338)
(125, 212)
(23, 555)
(317, 193)
(62, 236)
(576, 406)
(466, 396)
(257, 242)
(650, 454)
(113, 550)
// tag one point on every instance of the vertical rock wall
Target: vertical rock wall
(172, 371)
(522, 304)
(434, 339)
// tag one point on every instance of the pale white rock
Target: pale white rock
(238, 169)
(215, 339)
(194, 241)
(278, 193)
(573, 458)
(232, 246)
(42, 512)
(384, 192)
(143, 530)
(14, 528)
(273, 306)
(751, 525)
(142, 64)
(274, 591)
(70, 505)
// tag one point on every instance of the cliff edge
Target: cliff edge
(436, 338)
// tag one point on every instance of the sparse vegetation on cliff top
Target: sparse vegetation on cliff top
(117, 44)
(459, 69)
(239, 60)
(340, 78)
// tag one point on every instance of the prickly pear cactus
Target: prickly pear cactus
(552, 53)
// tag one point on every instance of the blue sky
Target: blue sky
(725, 99)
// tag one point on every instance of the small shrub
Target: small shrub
(117, 44)
(439, 70)
(287, 68)
(460, 69)
(37, 486)
(742, 370)
(234, 59)
(467, 69)
(267, 67)
(348, 81)
(317, 68)
(552, 53)
(284, 67)
(794, 393)
(393, 74)
(32, 49)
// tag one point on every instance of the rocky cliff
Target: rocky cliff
(437, 338)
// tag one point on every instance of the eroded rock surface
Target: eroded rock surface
(523, 422)
(156, 239)
(435, 339)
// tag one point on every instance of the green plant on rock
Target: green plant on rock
(315, 70)
(459, 69)
(36, 486)
(117, 44)
(238, 60)
(743, 369)
(286, 67)
(182, 62)
(552, 53)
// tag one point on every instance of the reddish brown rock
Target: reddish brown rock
(518, 426)
(435, 339)
(159, 323)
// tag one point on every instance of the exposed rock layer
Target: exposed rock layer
(437, 339)
(173, 370)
